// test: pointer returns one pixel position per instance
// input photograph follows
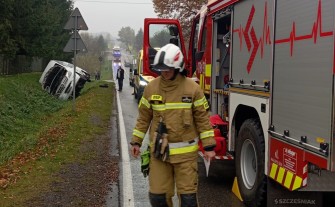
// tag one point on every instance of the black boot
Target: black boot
(158, 200)
(189, 200)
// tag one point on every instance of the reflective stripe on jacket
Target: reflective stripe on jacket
(184, 109)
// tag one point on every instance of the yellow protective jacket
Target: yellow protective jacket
(184, 109)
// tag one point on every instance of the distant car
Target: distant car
(140, 82)
(57, 79)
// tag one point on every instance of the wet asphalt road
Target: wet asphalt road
(214, 190)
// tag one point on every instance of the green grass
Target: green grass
(24, 107)
(45, 132)
(106, 72)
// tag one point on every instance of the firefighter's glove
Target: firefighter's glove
(145, 161)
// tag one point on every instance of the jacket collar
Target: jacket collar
(170, 85)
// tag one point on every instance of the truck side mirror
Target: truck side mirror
(173, 30)
(174, 41)
(198, 55)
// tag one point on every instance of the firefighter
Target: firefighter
(176, 110)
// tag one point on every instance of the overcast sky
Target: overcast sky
(111, 15)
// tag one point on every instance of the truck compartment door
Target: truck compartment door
(252, 35)
(303, 75)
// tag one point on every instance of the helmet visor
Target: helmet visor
(162, 67)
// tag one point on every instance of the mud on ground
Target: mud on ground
(85, 183)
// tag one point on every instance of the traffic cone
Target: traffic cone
(236, 190)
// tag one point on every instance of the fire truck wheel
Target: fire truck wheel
(250, 155)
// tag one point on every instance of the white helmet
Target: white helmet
(169, 57)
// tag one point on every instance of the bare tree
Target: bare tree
(96, 45)
(138, 41)
(183, 10)
(127, 37)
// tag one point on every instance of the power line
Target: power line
(111, 2)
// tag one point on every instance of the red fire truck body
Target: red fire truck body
(268, 68)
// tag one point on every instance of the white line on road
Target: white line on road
(128, 195)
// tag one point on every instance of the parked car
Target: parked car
(140, 79)
(126, 64)
(57, 79)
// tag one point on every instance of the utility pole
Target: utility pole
(75, 44)
(100, 61)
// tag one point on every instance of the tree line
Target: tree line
(33, 27)
(131, 42)
(183, 10)
(33, 30)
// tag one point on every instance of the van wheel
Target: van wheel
(139, 95)
(135, 93)
(250, 161)
(139, 98)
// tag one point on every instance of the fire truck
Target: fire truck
(268, 69)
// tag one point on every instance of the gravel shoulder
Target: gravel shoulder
(83, 183)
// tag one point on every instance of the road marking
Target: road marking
(128, 195)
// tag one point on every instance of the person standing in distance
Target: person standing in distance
(178, 103)
(120, 77)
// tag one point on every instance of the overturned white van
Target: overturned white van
(57, 79)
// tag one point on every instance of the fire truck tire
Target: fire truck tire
(250, 155)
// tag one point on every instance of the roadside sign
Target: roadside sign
(71, 23)
(75, 41)
(75, 44)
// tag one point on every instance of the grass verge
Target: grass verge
(48, 137)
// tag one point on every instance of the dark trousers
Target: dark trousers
(120, 82)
